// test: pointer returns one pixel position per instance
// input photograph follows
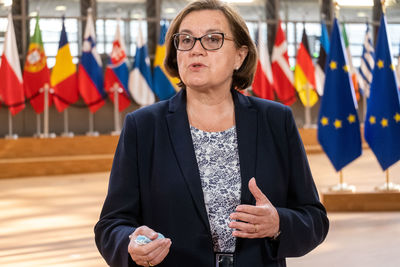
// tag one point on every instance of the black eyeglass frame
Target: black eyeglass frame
(176, 41)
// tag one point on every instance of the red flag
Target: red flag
(117, 72)
(11, 85)
(36, 74)
(283, 76)
(263, 81)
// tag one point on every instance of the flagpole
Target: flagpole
(10, 135)
(91, 125)
(38, 124)
(46, 111)
(66, 132)
(388, 186)
(342, 187)
(307, 110)
(117, 123)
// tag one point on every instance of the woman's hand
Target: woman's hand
(259, 221)
(149, 254)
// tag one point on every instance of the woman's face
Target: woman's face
(201, 69)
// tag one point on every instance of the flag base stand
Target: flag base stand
(113, 133)
(92, 133)
(67, 134)
(343, 188)
(388, 187)
(49, 135)
(11, 136)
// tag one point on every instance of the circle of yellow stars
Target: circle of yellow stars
(384, 122)
(351, 118)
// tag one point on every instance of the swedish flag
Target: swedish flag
(382, 123)
(338, 124)
(163, 85)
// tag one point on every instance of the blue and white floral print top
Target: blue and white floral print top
(218, 161)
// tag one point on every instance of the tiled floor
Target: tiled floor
(48, 221)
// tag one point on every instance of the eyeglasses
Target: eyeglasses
(209, 41)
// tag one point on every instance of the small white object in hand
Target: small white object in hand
(143, 240)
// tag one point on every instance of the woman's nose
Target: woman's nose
(198, 48)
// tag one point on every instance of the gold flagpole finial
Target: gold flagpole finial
(383, 6)
(337, 8)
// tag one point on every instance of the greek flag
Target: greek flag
(367, 63)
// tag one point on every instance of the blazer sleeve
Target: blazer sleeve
(121, 210)
(303, 221)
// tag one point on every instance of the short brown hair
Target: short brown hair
(243, 77)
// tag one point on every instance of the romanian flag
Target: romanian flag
(117, 73)
(90, 69)
(11, 85)
(304, 74)
(36, 74)
(164, 86)
(63, 77)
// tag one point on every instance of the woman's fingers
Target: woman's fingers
(161, 254)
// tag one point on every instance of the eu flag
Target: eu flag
(382, 123)
(338, 124)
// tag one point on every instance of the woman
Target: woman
(184, 167)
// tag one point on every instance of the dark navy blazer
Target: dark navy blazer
(155, 181)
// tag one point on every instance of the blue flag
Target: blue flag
(164, 85)
(382, 123)
(320, 66)
(338, 124)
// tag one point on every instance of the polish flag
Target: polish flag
(283, 75)
(11, 85)
(263, 84)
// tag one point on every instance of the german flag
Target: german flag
(304, 74)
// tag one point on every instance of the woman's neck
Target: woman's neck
(211, 111)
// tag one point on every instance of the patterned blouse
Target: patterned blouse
(218, 161)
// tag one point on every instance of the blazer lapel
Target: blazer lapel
(181, 139)
(246, 128)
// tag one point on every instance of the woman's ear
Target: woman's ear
(241, 55)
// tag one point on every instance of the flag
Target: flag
(398, 69)
(283, 76)
(11, 85)
(90, 69)
(321, 63)
(263, 82)
(382, 123)
(164, 85)
(140, 82)
(304, 74)
(64, 79)
(36, 74)
(367, 63)
(353, 71)
(117, 72)
(338, 124)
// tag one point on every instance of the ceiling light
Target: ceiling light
(61, 8)
(7, 2)
(239, 1)
(170, 10)
(358, 3)
(361, 14)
